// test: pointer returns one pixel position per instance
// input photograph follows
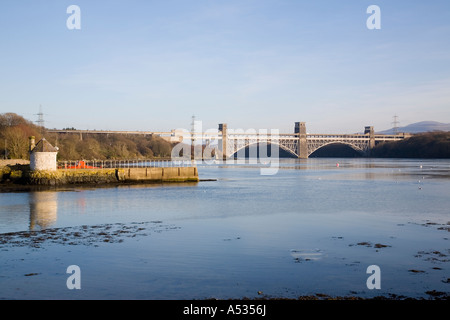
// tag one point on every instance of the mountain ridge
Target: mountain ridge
(419, 127)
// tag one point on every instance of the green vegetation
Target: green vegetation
(14, 173)
(15, 132)
(435, 145)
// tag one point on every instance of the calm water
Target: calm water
(314, 227)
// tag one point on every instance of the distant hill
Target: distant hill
(419, 127)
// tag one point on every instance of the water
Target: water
(314, 227)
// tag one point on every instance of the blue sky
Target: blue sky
(151, 65)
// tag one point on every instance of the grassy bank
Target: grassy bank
(73, 176)
(21, 174)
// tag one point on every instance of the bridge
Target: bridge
(300, 144)
(171, 136)
(229, 142)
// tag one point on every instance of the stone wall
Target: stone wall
(73, 176)
(43, 161)
(161, 174)
(21, 174)
(11, 162)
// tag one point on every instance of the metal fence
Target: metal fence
(113, 164)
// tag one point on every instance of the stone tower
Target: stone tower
(368, 130)
(42, 155)
(223, 147)
(300, 129)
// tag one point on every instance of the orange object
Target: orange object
(80, 165)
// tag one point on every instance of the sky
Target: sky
(253, 64)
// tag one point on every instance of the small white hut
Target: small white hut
(42, 155)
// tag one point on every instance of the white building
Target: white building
(42, 155)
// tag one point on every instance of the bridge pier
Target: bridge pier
(223, 129)
(368, 130)
(302, 145)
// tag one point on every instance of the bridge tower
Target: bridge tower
(223, 129)
(302, 147)
(369, 131)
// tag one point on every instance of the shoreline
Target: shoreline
(13, 187)
(19, 177)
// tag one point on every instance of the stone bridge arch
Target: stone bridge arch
(359, 147)
(313, 148)
(256, 144)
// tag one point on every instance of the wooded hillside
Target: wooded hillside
(421, 145)
(15, 132)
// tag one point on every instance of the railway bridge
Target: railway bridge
(300, 143)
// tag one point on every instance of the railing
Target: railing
(355, 136)
(116, 164)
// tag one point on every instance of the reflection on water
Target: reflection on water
(43, 209)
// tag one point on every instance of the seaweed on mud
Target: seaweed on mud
(416, 271)
(433, 256)
(440, 226)
(82, 235)
(369, 244)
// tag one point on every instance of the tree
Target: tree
(17, 143)
(10, 120)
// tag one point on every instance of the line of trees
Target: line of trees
(422, 145)
(15, 132)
